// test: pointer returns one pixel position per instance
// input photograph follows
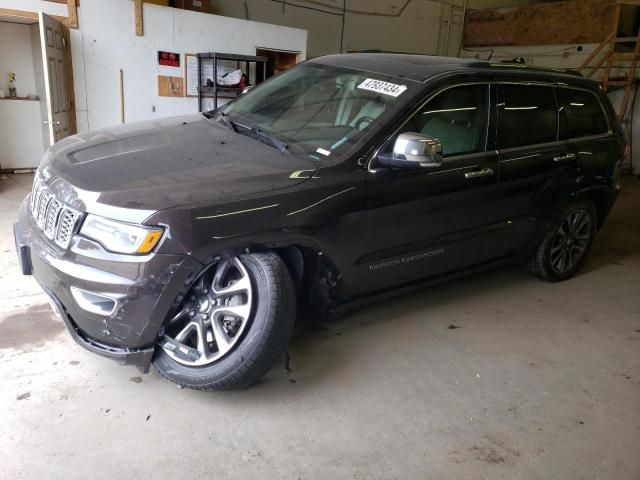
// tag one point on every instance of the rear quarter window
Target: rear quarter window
(581, 114)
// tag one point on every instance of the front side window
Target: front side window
(580, 114)
(527, 116)
(456, 117)
(321, 111)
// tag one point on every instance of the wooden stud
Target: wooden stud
(121, 96)
(138, 15)
(72, 9)
(68, 62)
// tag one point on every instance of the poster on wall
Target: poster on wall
(169, 59)
(191, 75)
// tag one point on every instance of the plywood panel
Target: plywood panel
(170, 86)
(557, 23)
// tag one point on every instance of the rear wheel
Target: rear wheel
(233, 326)
(565, 247)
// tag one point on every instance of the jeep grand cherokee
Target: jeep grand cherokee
(189, 242)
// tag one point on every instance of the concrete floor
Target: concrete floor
(538, 381)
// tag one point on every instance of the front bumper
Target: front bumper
(145, 289)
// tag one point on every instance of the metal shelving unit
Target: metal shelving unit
(209, 62)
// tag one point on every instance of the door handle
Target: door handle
(480, 173)
(47, 122)
(564, 158)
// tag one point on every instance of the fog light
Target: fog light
(94, 302)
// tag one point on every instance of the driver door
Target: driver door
(429, 221)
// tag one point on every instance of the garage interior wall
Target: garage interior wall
(106, 42)
(415, 26)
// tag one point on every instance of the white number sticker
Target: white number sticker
(382, 87)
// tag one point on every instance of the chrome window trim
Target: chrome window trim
(489, 83)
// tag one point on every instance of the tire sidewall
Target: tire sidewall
(544, 260)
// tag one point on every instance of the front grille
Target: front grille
(57, 221)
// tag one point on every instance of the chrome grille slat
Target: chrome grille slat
(68, 221)
(57, 221)
(51, 221)
(43, 203)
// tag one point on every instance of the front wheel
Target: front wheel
(566, 245)
(233, 326)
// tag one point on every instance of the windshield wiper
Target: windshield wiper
(262, 135)
(228, 122)
(279, 144)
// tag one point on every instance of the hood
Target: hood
(148, 166)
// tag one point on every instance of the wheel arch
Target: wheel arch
(600, 197)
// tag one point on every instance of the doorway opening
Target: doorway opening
(36, 88)
(279, 60)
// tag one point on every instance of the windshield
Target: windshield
(318, 110)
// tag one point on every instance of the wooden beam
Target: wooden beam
(137, 6)
(25, 14)
(72, 9)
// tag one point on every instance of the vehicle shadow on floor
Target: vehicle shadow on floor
(314, 351)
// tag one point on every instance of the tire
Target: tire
(547, 260)
(263, 340)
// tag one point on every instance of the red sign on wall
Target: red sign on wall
(169, 59)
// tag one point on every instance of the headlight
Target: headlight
(121, 237)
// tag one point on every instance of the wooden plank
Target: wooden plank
(21, 98)
(72, 12)
(593, 54)
(121, 96)
(549, 23)
(138, 16)
(26, 14)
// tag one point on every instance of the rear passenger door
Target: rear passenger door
(534, 163)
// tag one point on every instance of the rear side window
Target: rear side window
(528, 115)
(580, 114)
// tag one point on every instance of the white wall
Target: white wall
(106, 42)
(20, 134)
(391, 25)
(110, 44)
(16, 56)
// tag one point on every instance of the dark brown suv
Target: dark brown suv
(190, 242)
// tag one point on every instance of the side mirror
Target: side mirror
(411, 151)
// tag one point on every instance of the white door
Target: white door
(55, 77)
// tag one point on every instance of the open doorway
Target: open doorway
(36, 85)
(279, 60)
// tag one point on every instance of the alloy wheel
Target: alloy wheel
(213, 316)
(570, 241)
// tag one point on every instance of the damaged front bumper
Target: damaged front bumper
(112, 304)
